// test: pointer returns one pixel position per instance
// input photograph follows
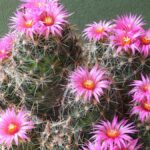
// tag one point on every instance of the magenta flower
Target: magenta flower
(98, 31)
(142, 109)
(14, 126)
(6, 44)
(37, 4)
(129, 23)
(115, 133)
(92, 146)
(40, 17)
(132, 145)
(24, 23)
(33, 3)
(141, 89)
(89, 84)
(52, 20)
(125, 42)
(145, 43)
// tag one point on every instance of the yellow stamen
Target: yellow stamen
(89, 84)
(146, 106)
(126, 40)
(112, 133)
(145, 40)
(48, 21)
(29, 23)
(146, 88)
(100, 30)
(12, 128)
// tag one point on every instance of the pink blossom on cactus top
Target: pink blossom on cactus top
(125, 42)
(14, 126)
(97, 31)
(115, 133)
(24, 23)
(141, 89)
(52, 19)
(131, 145)
(129, 23)
(89, 84)
(37, 4)
(49, 19)
(142, 109)
(145, 43)
(92, 146)
(6, 44)
(33, 3)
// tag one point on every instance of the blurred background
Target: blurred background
(85, 11)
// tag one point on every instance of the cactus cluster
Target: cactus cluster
(60, 94)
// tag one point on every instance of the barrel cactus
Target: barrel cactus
(60, 94)
(45, 48)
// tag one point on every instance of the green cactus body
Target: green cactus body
(39, 69)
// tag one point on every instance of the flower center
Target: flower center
(112, 133)
(145, 40)
(48, 21)
(13, 128)
(126, 40)
(89, 84)
(146, 88)
(29, 23)
(100, 30)
(146, 106)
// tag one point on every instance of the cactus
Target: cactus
(124, 63)
(38, 66)
(73, 91)
(38, 71)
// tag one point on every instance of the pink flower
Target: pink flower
(49, 18)
(145, 43)
(115, 133)
(97, 31)
(141, 89)
(131, 145)
(142, 109)
(37, 4)
(6, 44)
(33, 3)
(92, 146)
(24, 23)
(89, 84)
(52, 20)
(14, 126)
(129, 23)
(127, 30)
(125, 42)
